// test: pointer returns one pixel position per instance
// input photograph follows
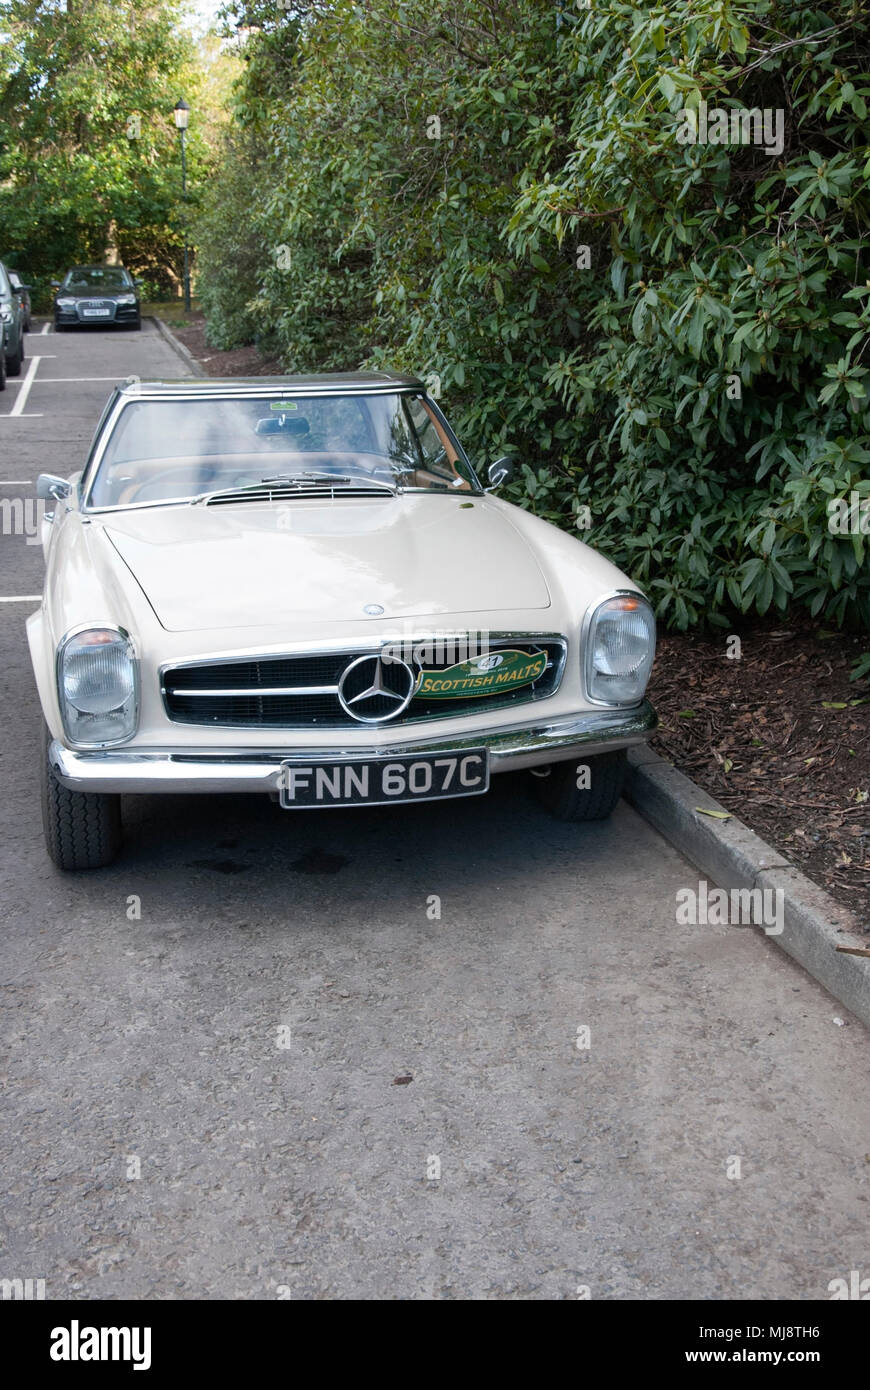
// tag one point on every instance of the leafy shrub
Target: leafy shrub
(669, 334)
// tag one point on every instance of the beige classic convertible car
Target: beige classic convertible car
(298, 586)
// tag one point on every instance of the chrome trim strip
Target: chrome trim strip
(234, 769)
(254, 692)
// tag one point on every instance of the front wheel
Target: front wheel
(82, 829)
(584, 788)
(13, 362)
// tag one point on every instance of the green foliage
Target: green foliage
(77, 81)
(697, 378)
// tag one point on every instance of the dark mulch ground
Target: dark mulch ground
(245, 361)
(782, 738)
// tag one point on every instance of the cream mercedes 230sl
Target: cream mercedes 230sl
(298, 586)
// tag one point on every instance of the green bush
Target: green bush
(669, 334)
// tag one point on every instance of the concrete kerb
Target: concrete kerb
(733, 856)
(184, 353)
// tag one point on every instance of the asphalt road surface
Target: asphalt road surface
(251, 1060)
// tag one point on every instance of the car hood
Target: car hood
(250, 565)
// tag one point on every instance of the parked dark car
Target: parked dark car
(12, 324)
(96, 295)
(22, 289)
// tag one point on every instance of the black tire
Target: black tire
(137, 326)
(13, 363)
(82, 829)
(562, 797)
(59, 327)
(2, 369)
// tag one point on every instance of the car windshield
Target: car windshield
(167, 450)
(99, 277)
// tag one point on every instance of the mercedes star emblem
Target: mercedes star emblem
(382, 687)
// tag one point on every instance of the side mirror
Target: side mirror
(52, 489)
(138, 283)
(500, 472)
(55, 284)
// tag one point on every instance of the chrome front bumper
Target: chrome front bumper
(231, 769)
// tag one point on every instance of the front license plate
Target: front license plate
(96, 313)
(375, 781)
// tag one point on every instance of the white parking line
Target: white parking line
(21, 399)
(44, 329)
(23, 598)
(46, 380)
(15, 482)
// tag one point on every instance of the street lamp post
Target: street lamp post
(182, 116)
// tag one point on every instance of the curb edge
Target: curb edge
(814, 923)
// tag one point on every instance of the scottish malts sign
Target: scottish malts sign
(483, 675)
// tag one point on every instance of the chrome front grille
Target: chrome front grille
(301, 691)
